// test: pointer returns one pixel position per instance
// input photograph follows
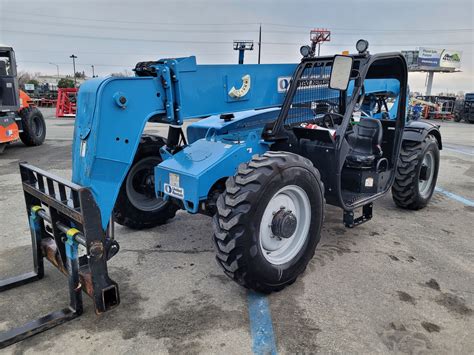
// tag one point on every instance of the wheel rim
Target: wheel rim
(280, 250)
(37, 126)
(426, 174)
(140, 185)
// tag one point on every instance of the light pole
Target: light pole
(259, 43)
(92, 66)
(57, 68)
(317, 36)
(74, 67)
(242, 46)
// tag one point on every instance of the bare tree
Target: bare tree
(24, 77)
(123, 74)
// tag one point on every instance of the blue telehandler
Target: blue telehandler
(273, 144)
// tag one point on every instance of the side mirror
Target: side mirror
(340, 72)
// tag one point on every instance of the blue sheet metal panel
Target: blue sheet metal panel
(242, 120)
(381, 85)
(201, 164)
(205, 88)
(107, 134)
(377, 85)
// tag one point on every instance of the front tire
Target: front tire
(268, 221)
(33, 126)
(137, 207)
(417, 173)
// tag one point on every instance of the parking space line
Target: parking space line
(458, 151)
(455, 197)
(261, 326)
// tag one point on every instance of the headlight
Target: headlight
(362, 45)
(305, 51)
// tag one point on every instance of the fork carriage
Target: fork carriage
(64, 222)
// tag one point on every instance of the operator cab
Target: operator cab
(348, 122)
(9, 100)
(369, 162)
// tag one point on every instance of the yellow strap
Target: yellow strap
(36, 208)
(71, 232)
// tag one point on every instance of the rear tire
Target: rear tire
(137, 207)
(248, 247)
(415, 181)
(33, 125)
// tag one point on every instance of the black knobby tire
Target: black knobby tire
(405, 189)
(128, 213)
(458, 117)
(33, 126)
(240, 210)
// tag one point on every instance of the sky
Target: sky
(113, 35)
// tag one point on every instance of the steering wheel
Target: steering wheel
(360, 101)
(328, 121)
(324, 106)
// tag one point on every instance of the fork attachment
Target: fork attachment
(64, 222)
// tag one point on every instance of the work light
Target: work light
(362, 45)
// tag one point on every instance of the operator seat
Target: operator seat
(365, 142)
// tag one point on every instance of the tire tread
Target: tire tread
(404, 191)
(132, 217)
(232, 207)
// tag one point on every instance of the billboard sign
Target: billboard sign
(439, 58)
(450, 59)
(429, 57)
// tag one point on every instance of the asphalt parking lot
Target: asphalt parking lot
(403, 282)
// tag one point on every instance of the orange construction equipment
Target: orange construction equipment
(25, 100)
(9, 131)
(66, 104)
(437, 107)
(27, 124)
(19, 117)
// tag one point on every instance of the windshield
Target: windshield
(5, 64)
(313, 97)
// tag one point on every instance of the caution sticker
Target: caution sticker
(174, 179)
(369, 182)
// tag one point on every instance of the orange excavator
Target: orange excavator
(19, 118)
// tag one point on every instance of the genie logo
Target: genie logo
(174, 191)
(283, 83)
